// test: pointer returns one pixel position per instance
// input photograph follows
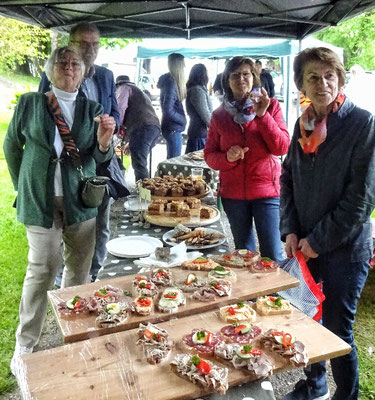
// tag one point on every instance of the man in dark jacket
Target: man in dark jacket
(266, 79)
(140, 121)
(98, 85)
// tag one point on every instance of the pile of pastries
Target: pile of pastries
(174, 186)
(181, 208)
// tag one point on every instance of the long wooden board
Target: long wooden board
(247, 286)
(114, 367)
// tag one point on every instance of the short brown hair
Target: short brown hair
(231, 66)
(321, 54)
(84, 27)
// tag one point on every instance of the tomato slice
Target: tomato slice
(200, 260)
(227, 257)
(231, 311)
(144, 302)
(208, 338)
(256, 352)
(148, 285)
(141, 278)
(104, 296)
(218, 287)
(170, 295)
(203, 367)
(148, 334)
(239, 328)
(78, 304)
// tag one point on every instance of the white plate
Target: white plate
(169, 234)
(133, 246)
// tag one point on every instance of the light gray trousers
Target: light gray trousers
(44, 258)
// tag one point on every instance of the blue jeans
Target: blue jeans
(266, 214)
(141, 142)
(174, 143)
(343, 282)
(103, 232)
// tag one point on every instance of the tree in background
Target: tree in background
(357, 37)
(23, 45)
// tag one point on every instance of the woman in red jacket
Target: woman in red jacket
(247, 133)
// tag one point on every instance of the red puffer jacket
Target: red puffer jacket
(258, 174)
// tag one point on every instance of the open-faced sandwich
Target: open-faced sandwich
(191, 283)
(272, 305)
(221, 272)
(245, 357)
(250, 257)
(143, 305)
(171, 299)
(72, 308)
(202, 341)
(239, 312)
(103, 296)
(265, 265)
(142, 286)
(241, 333)
(229, 260)
(201, 372)
(161, 276)
(155, 341)
(112, 314)
(214, 288)
(199, 264)
(286, 345)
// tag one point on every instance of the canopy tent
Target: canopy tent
(226, 48)
(289, 19)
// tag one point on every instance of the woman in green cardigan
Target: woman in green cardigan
(40, 161)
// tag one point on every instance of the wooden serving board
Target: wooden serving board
(114, 367)
(170, 220)
(247, 286)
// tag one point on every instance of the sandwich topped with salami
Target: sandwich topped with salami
(265, 265)
(201, 372)
(240, 332)
(245, 357)
(72, 308)
(202, 341)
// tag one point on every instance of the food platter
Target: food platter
(197, 196)
(170, 220)
(133, 246)
(168, 235)
(195, 156)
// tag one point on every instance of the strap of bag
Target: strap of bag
(70, 147)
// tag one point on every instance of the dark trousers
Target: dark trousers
(266, 214)
(141, 142)
(174, 143)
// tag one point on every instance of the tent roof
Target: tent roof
(225, 48)
(189, 19)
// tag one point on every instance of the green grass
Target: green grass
(13, 262)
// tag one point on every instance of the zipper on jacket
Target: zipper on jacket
(244, 175)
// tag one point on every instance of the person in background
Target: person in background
(327, 196)
(48, 184)
(98, 85)
(218, 87)
(140, 121)
(265, 78)
(198, 107)
(245, 137)
(172, 87)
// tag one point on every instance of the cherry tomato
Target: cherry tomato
(203, 367)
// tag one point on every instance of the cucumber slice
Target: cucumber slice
(70, 304)
(221, 271)
(279, 339)
(243, 355)
(247, 329)
(272, 304)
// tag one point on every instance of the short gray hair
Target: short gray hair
(59, 54)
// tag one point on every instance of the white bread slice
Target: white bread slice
(143, 309)
(197, 265)
(245, 313)
(265, 309)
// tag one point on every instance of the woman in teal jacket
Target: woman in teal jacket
(48, 183)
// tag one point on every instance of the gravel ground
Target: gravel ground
(282, 383)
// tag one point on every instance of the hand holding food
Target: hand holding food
(260, 107)
(106, 128)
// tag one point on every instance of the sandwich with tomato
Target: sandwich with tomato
(143, 305)
(142, 286)
(112, 314)
(200, 264)
(170, 300)
(239, 312)
(72, 308)
(272, 305)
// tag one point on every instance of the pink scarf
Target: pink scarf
(314, 132)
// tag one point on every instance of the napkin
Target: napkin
(178, 256)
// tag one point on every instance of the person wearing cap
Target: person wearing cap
(142, 126)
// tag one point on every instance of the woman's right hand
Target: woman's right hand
(291, 245)
(236, 153)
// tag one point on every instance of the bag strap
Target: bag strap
(70, 147)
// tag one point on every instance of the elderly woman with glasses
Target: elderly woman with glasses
(49, 137)
(246, 135)
(327, 196)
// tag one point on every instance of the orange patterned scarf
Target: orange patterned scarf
(314, 132)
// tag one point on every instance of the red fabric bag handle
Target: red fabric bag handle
(315, 288)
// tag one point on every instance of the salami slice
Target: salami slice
(203, 348)
(240, 338)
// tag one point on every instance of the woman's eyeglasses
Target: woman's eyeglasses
(64, 63)
(237, 75)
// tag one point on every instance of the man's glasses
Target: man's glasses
(237, 75)
(65, 63)
(86, 45)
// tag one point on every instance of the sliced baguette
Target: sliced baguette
(265, 309)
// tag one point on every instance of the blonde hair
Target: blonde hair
(176, 66)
